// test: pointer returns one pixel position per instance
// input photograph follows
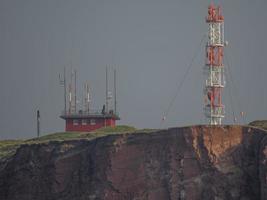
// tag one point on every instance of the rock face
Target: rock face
(199, 162)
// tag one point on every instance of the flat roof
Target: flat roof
(90, 116)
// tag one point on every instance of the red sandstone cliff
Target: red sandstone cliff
(200, 162)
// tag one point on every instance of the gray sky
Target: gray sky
(149, 41)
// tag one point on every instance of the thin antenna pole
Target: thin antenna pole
(75, 89)
(70, 98)
(106, 89)
(85, 97)
(88, 96)
(65, 92)
(70, 89)
(63, 83)
(38, 123)
(115, 92)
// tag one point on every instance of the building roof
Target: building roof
(88, 115)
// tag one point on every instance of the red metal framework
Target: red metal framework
(214, 109)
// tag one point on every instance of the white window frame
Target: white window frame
(75, 122)
(84, 122)
(92, 122)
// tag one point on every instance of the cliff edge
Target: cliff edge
(198, 162)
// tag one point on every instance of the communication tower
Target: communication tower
(214, 68)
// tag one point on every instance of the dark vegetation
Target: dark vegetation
(259, 124)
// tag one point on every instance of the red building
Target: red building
(86, 119)
(86, 122)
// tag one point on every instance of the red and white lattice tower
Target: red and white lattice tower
(214, 68)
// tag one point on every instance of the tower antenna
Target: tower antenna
(75, 90)
(214, 68)
(63, 83)
(38, 123)
(70, 99)
(65, 91)
(87, 98)
(115, 92)
(106, 89)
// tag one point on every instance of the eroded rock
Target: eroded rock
(199, 162)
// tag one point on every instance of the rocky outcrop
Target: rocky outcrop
(199, 162)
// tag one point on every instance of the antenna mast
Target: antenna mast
(38, 123)
(63, 83)
(214, 69)
(106, 89)
(115, 92)
(87, 98)
(65, 91)
(70, 99)
(75, 89)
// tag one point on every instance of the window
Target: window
(84, 122)
(92, 122)
(75, 122)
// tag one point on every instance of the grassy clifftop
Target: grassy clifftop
(84, 135)
(260, 124)
(9, 147)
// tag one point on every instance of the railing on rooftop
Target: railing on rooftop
(87, 113)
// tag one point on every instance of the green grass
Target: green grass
(9, 147)
(57, 136)
(260, 124)
(87, 135)
(116, 129)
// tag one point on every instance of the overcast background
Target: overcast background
(150, 42)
